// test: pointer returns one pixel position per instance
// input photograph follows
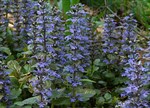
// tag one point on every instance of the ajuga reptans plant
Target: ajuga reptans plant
(134, 69)
(4, 78)
(110, 41)
(77, 49)
(4, 83)
(46, 44)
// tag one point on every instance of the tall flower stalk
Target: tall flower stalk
(27, 12)
(110, 41)
(40, 56)
(4, 18)
(46, 44)
(4, 75)
(4, 83)
(138, 79)
(135, 70)
(18, 21)
(129, 37)
(77, 49)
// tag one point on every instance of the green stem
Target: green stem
(52, 105)
(74, 105)
(74, 91)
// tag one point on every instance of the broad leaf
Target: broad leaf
(28, 101)
(96, 62)
(73, 2)
(65, 6)
(86, 94)
(102, 83)
(27, 68)
(87, 80)
(15, 93)
(57, 93)
(100, 101)
(107, 96)
(5, 50)
(13, 64)
(62, 101)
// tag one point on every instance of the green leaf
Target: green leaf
(30, 47)
(13, 64)
(60, 4)
(109, 75)
(5, 50)
(119, 80)
(10, 57)
(27, 68)
(53, 66)
(86, 94)
(1, 39)
(14, 82)
(2, 105)
(73, 2)
(28, 101)
(100, 101)
(102, 83)
(115, 99)
(95, 68)
(57, 93)
(1, 86)
(111, 57)
(27, 53)
(15, 93)
(62, 101)
(25, 77)
(87, 80)
(96, 62)
(65, 6)
(27, 106)
(1, 96)
(107, 96)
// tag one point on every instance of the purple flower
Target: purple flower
(135, 90)
(77, 47)
(73, 99)
(48, 52)
(4, 83)
(5, 8)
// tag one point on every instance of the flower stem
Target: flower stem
(52, 105)
(73, 105)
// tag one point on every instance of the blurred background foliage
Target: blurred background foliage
(99, 8)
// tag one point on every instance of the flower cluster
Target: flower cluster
(27, 12)
(95, 48)
(18, 21)
(46, 35)
(77, 47)
(21, 12)
(121, 48)
(138, 79)
(129, 38)
(4, 83)
(4, 78)
(134, 70)
(119, 39)
(4, 20)
(63, 50)
(111, 41)
(146, 56)
(53, 53)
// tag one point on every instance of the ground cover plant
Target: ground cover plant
(52, 59)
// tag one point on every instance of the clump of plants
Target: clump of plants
(49, 60)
